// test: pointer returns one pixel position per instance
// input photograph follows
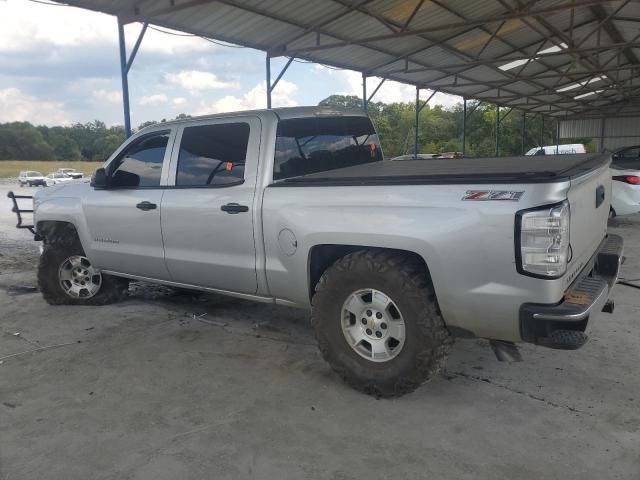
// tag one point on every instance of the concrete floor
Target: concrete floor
(145, 390)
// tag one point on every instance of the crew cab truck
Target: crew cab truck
(298, 207)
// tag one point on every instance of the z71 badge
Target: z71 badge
(498, 195)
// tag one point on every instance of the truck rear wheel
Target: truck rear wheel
(66, 276)
(377, 322)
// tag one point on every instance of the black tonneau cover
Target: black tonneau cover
(522, 169)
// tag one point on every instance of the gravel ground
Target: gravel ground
(169, 385)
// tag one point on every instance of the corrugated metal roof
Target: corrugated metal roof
(481, 49)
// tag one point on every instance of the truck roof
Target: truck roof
(281, 113)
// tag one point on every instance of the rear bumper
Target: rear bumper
(585, 297)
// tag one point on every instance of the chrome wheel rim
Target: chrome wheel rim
(78, 278)
(373, 325)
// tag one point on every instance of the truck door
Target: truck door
(208, 213)
(124, 219)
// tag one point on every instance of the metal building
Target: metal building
(610, 133)
(564, 59)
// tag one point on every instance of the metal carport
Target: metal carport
(563, 59)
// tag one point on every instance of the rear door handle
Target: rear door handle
(234, 208)
(146, 206)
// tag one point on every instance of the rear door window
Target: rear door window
(140, 164)
(312, 145)
(213, 155)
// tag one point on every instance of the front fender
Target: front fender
(64, 209)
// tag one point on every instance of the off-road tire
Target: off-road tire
(407, 282)
(57, 248)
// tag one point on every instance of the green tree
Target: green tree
(23, 141)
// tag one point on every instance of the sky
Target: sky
(60, 65)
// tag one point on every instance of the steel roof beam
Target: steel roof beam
(614, 34)
(478, 22)
(139, 14)
(463, 70)
(535, 56)
(574, 77)
(527, 6)
(445, 46)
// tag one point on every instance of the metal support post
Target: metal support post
(125, 66)
(365, 101)
(124, 78)
(497, 130)
(268, 65)
(415, 132)
(464, 125)
(541, 130)
(375, 90)
(558, 136)
(272, 86)
(524, 132)
(418, 110)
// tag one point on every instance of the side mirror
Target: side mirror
(100, 179)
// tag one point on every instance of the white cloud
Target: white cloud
(255, 98)
(197, 81)
(109, 96)
(390, 91)
(69, 26)
(155, 99)
(52, 25)
(178, 101)
(16, 106)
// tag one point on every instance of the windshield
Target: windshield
(33, 174)
(311, 145)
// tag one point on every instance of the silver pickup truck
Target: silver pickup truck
(298, 207)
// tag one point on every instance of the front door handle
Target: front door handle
(234, 208)
(146, 206)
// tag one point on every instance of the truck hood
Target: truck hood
(59, 190)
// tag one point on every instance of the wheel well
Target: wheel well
(51, 230)
(322, 257)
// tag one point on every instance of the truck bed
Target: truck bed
(521, 169)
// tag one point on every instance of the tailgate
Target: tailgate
(590, 199)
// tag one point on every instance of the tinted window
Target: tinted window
(311, 145)
(140, 164)
(212, 154)
(627, 159)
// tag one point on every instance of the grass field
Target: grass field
(12, 168)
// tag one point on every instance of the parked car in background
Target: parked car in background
(419, 156)
(31, 178)
(72, 172)
(625, 170)
(557, 149)
(55, 178)
(451, 155)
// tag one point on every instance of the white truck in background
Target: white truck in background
(567, 149)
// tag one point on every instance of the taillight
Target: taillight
(631, 179)
(542, 240)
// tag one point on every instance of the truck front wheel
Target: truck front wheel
(66, 276)
(377, 322)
